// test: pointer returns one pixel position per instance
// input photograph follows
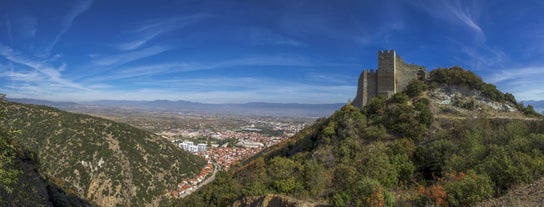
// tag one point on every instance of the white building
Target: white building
(201, 147)
(183, 145)
(191, 147)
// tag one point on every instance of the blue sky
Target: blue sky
(229, 51)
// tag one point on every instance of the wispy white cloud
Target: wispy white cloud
(247, 90)
(179, 67)
(482, 57)
(146, 70)
(42, 74)
(274, 60)
(31, 76)
(474, 51)
(464, 15)
(453, 11)
(139, 42)
(201, 89)
(80, 7)
(525, 83)
(120, 59)
(265, 36)
(150, 30)
(330, 78)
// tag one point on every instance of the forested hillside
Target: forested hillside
(99, 160)
(395, 152)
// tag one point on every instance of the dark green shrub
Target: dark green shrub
(415, 88)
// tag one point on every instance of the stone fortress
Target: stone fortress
(392, 76)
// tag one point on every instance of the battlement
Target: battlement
(391, 76)
(386, 53)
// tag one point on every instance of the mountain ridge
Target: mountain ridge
(250, 108)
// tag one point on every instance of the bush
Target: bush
(463, 190)
(400, 98)
(434, 195)
(376, 106)
(364, 192)
(530, 111)
(415, 88)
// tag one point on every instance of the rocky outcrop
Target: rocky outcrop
(464, 102)
(275, 201)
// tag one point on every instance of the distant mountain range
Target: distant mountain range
(252, 108)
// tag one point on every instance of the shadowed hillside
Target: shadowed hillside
(99, 160)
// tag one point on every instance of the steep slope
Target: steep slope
(396, 151)
(101, 161)
(22, 184)
(524, 195)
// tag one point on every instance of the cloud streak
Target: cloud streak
(265, 36)
(124, 58)
(525, 83)
(80, 7)
(225, 90)
(453, 11)
(155, 28)
(46, 72)
(123, 73)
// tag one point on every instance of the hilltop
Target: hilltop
(451, 140)
(97, 160)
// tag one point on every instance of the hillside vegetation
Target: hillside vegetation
(395, 151)
(21, 184)
(97, 160)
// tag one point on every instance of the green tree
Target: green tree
(463, 190)
(400, 98)
(415, 88)
(376, 106)
(377, 165)
(315, 177)
(285, 174)
(431, 158)
(530, 111)
(363, 192)
(8, 154)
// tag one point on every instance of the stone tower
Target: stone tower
(392, 76)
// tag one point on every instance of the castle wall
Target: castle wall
(361, 91)
(371, 86)
(392, 76)
(366, 88)
(405, 73)
(386, 73)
